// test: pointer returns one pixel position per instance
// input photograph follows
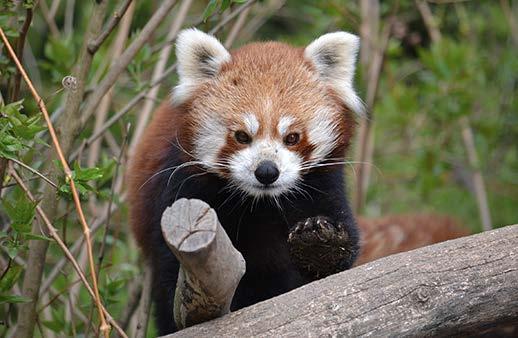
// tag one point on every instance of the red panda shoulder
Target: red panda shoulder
(147, 158)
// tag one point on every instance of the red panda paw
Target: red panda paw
(319, 247)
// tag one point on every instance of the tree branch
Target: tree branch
(461, 287)
(94, 45)
(126, 57)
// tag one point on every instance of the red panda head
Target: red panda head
(265, 114)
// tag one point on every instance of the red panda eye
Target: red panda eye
(292, 139)
(242, 137)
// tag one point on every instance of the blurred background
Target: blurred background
(439, 79)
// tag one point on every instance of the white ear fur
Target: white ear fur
(334, 56)
(199, 56)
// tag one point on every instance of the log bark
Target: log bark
(467, 286)
(210, 266)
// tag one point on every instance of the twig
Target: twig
(53, 274)
(429, 20)
(20, 43)
(134, 294)
(263, 13)
(49, 19)
(110, 202)
(102, 111)
(149, 104)
(68, 173)
(54, 234)
(231, 16)
(34, 171)
(69, 17)
(478, 180)
(94, 45)
(466, 130)
(144, 307)
(369, 32)
(111, 121)
(373, 61)
(236, 28)
(3, 167)
(53, 8)
(126, 57)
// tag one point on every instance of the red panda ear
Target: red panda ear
(199, 57)
(334, 57)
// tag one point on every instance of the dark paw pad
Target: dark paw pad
(319, 247)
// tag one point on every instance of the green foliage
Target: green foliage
(142, 61)
(223, 5)
(82, 177)
(17, 130)
(8, 280)
(59, 58)
(20, 211)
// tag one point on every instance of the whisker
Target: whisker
(185, 180)
(183, 165)
(312, 187)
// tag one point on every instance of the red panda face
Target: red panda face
(266, 114)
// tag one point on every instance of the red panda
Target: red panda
(392, 234)
(259, 133)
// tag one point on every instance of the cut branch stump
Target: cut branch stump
(210, 266)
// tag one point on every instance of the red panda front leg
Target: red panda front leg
(320, 247)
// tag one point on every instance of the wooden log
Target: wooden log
(467, 286)
(211, 267)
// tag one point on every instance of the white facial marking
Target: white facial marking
(284, 123)
(251, 123)
(244, 163)
(322, 133)
(209, 139)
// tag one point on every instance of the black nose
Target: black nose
(267, 172)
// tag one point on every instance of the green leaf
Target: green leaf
(13, 299)
(224, 5)
(87, 174)
(37, 237)
(12, 250)
(21, 213)
(210, 9)
(10, 278)
(55, 325)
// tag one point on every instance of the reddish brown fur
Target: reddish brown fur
(398, 233)
(148, 157)
(245, 84)
(281, 77)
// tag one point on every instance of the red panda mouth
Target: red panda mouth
(265, 186)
